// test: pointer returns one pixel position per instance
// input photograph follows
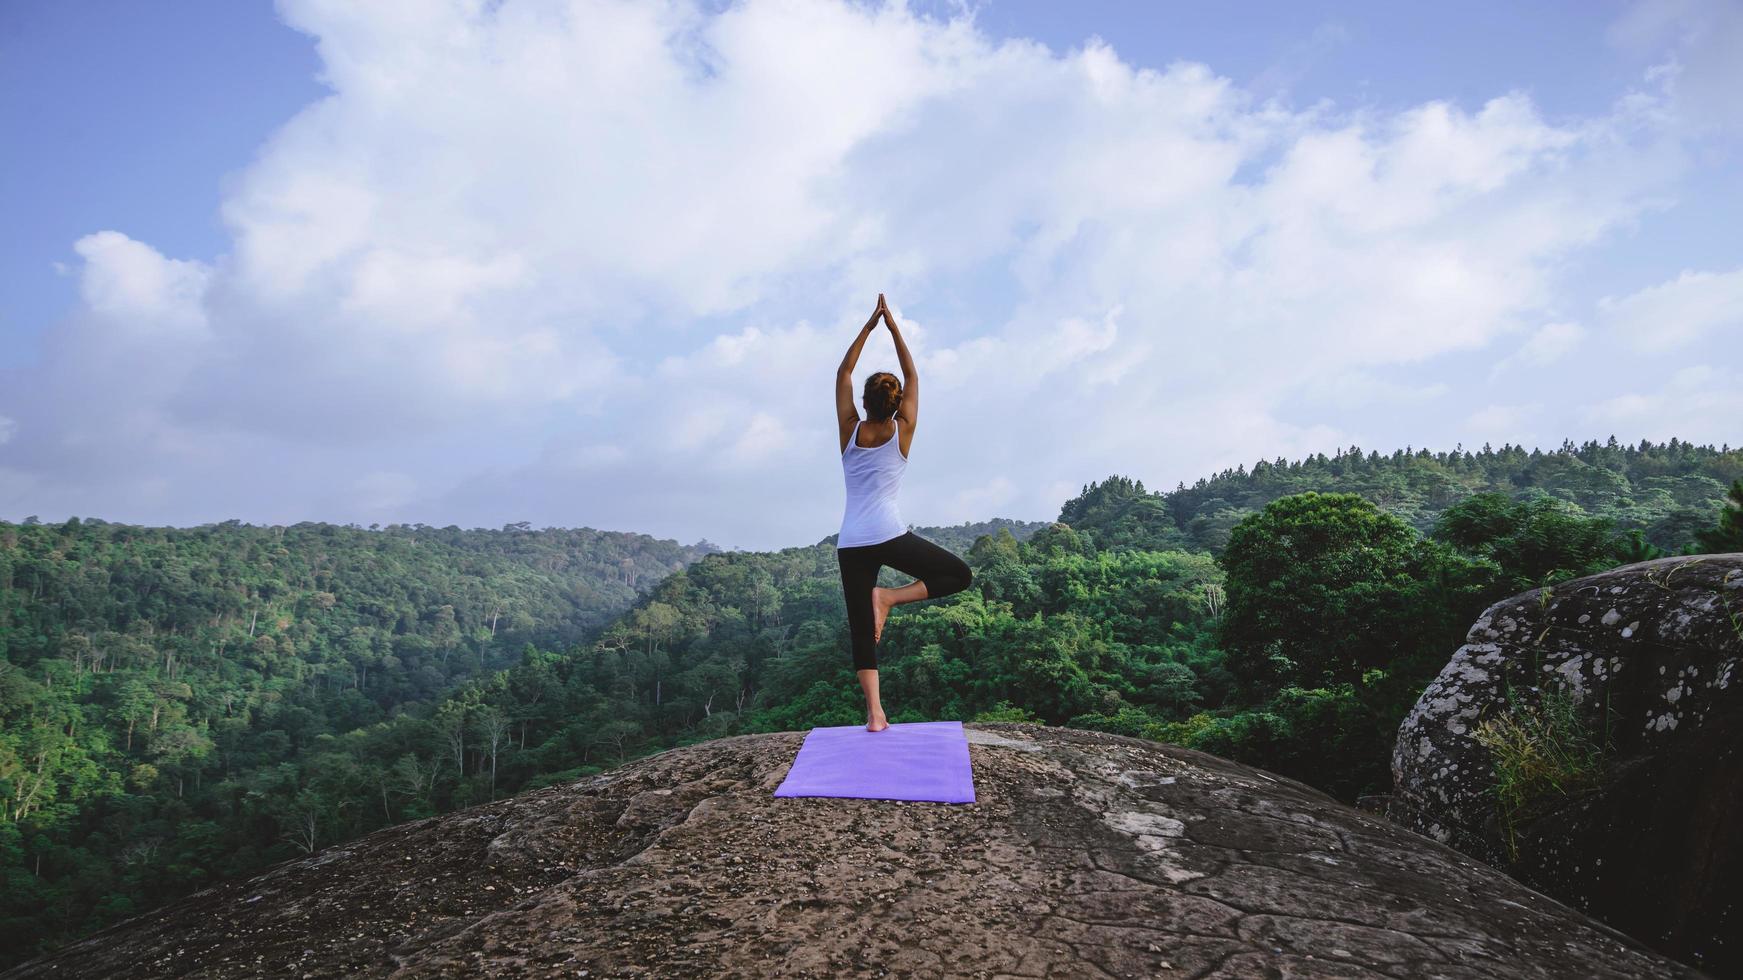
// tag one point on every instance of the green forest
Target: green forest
(179, 706)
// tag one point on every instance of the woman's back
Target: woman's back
(873, 475)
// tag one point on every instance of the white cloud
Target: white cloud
(1679, 312)
(1704, 71)
(1546, 346)
(138, 290)
(1360, 388)
(979, 502)
(1622, 408)
(1699, 404)
(594, 263)
(1503, 423)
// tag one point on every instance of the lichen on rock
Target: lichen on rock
(1648, 652)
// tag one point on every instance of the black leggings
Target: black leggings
(938, 567)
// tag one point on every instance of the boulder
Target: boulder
(1652, 656)
(1085, 855)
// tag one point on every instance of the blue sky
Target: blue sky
(589, 264)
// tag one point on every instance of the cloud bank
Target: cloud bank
(593, 263)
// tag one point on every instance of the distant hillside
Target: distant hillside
(167, 694)
(506, 587)
(1668, 491)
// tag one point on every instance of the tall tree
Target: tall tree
(1727, 536)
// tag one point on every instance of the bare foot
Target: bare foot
(876, 723)
(880, 612)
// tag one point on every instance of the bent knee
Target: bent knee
(957, 581)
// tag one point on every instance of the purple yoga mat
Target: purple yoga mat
(917, 760)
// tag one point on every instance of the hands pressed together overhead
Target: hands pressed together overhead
(845, 394)
(883, 312)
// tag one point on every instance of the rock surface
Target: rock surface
(1652, 652)
(1086, 855)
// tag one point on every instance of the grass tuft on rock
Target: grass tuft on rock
(1543, 754)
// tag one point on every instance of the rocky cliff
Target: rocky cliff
(1651, 657)
(1086, 855)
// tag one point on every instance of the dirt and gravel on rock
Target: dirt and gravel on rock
(1085, 855)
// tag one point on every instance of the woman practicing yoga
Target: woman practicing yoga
(874, 453)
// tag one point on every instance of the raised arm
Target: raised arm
(909, 409)
(851, 358)
(845, 414)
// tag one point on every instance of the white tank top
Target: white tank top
(873, 474)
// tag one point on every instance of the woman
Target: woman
(874, 454)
